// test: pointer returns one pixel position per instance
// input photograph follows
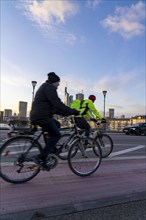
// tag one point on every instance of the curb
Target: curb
(44, 213)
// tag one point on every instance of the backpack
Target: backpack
(78, 105)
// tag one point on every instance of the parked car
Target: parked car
(5, 130)
(136, 129)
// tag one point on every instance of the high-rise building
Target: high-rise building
(70, 99)
(22, 109)
(80, 96)
(1, 116)
(7, 112)
(66, 97)
(111, 112)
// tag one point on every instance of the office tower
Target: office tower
(70, 99)
(7, 112)
(80, 96)
(1, 116)
(111, 113)
(22, 109)
(66, 97)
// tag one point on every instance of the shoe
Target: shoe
(42, 163)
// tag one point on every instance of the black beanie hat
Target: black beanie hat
(52, 77)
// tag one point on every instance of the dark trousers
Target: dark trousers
(83, 124)
(52, 127)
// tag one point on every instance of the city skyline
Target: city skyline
(92, 45)
(108, 112)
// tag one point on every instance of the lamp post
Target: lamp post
(104, 94)
(33, 86)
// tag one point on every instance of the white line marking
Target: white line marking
(126, 158)
(126, 151)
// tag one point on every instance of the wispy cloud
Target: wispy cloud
(93, 3)
(14, 75)
(71, 39)
(74, 85)
(116, 83)
(127, 21)
(50, 17)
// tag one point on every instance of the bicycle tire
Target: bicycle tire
(14, 166)
(84, 162)
(106, 144)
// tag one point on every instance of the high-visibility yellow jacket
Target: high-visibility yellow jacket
(86, 107)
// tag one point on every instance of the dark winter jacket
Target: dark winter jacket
(47, 103)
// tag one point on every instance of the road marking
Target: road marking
(126, 151)
(124, 144)
(125, 158)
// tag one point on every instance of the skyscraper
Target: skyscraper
(22, 109)
(70, 99)
(66, 97)
(7, 112)
(80, 96)
(111, 112)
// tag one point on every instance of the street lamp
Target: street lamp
(104, 94)
(33, 86)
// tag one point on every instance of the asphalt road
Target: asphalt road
(116, 191)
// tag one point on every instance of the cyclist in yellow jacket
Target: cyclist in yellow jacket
(88, 111)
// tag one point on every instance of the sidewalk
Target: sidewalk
(60, 192)
(135, 210)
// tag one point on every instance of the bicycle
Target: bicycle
(104, 140)
(16, 156)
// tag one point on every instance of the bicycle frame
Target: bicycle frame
(76, 135)
(36, 137)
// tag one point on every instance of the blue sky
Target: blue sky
(92, 45)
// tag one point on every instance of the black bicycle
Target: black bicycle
(104, 140)
(17, 153)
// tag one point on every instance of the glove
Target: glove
(93, 119)
(103, 120)
(76, 112)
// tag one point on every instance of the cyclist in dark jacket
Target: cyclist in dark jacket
(47, 103)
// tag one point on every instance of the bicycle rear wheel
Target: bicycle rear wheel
(106, 144)
(15, 165)
(84, 159)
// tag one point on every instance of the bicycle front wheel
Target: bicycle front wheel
(106, 144)
(15, 165)
(84, 159)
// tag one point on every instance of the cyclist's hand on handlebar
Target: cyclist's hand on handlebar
(103, 120)
(94, 119)
(76, 112)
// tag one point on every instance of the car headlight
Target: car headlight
(133, 128)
